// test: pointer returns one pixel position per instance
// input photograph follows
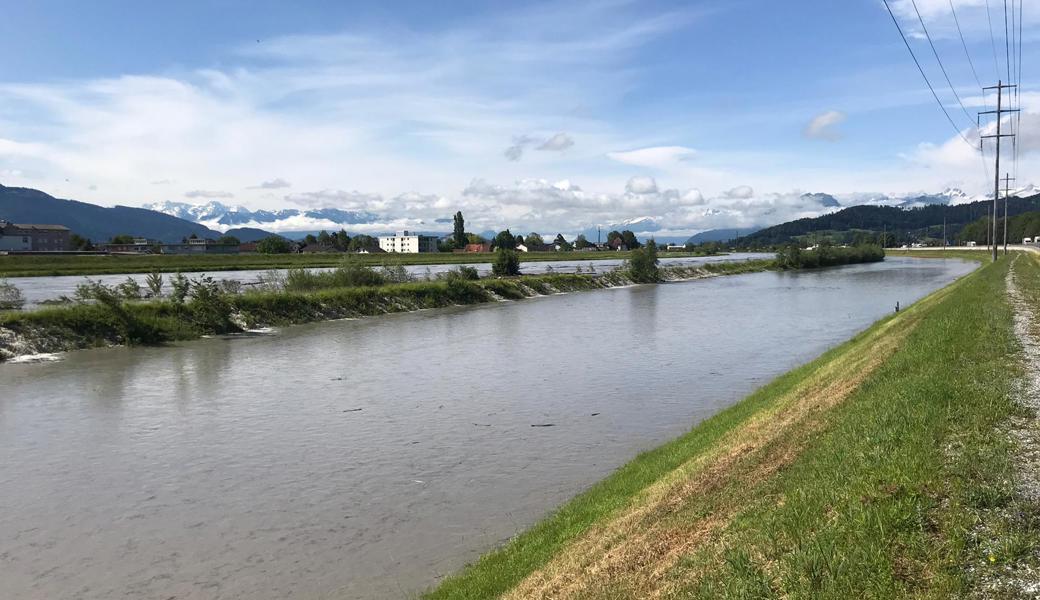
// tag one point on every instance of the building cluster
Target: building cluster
(18, 237)
(408, 242)
(188, 246)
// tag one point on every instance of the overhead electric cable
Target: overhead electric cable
(924, 75)
(992, 39)
(939, 60)
(964, 44)
(1007, 44)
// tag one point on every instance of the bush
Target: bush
(110, 301)
(461, 273)
(507, 263)
(273, 245)
(642, 264)
(352, 273)
(181, 286)
(11, 297)
(154, 281)
(129, 289)
(209, 309)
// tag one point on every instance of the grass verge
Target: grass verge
(882, 469)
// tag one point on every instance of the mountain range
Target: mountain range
(171, 221)
(220, 216)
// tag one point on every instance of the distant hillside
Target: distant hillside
(901, 224)
(249, 234)
(24, 205)
(1024, 225)
(721, 235)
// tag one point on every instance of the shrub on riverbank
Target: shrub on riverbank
(794, 257)
(11, 297)
(642, 264)
(506, 264)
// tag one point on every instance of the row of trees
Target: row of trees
(341, 241)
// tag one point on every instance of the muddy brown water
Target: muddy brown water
(368, 458)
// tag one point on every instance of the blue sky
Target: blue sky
(550, 116)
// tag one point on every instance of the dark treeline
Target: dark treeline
(900, 225)
(1025, 225)
(794, 257)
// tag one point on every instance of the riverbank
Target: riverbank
(889, 466)
(48, 266)
(210, 312)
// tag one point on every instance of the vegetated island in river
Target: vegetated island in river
(126, 314)
(900, 464)
(117, 264)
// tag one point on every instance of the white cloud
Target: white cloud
(208, 194)
(823, 126)
(739, 192)
(274, 184)
(560, 141)
(659, 157)
(641, 185)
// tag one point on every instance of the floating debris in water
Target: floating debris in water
(353, 409)
(544, 425)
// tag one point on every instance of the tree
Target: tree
(460, 230)
(612, 236)
(310, 240)
(507, 263)
(629, 239)
(505, 240)
(122, 239)
(228, 240)
(273, 245)
(533, 239)
(580, 242)
(363, 242)
(79, 242)
(324, 239)
(472, 238)
(642, 265)
(341, 240)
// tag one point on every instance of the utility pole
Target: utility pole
(1007, 195)
(598, 229)
(944, 228)
(1000, 87)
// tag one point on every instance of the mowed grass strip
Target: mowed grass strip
(882, 469)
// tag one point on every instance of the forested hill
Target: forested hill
(1024, 225)
(901, 224)
(24, 205)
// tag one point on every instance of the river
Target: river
(37, 290)
(367, 458)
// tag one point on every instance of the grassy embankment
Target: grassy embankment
(313, 297)
(882, 469)
(41, 266)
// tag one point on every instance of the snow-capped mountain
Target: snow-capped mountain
(216, 215)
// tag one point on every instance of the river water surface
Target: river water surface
(367, 458)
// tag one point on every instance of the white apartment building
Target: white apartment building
(409, 242)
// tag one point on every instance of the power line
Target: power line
(992, 39)
(924, 75)
(939, 60)
(1007, 45)
(965, 45)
